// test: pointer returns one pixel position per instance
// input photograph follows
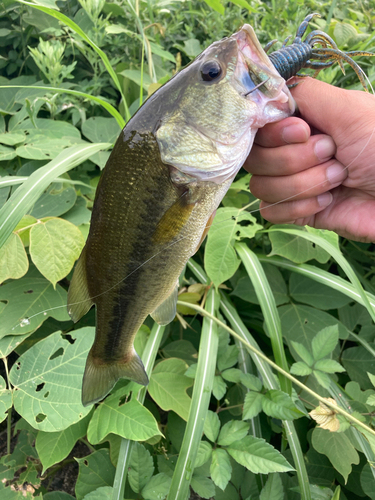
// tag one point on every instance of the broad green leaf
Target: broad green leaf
(141, 467)
(258, 456)
(129, 420)
(245, 288)
(57, 495)
(220, 258)
(325, 341)
(46, 149)
(79, 213)
(157, 488)
(303, 353)
(278, 404)
(5, 399)
(136, 76)
(251, 382)
(372, 378)
(301, 369)
(221, 468)
(168, 386)
(95, 471)
(232, 431)
(343, 32)
(25, 223)
(338, 448)
(216, 5)
(10, 139)
(48, 379)
(219, 387)
(54, 247)
(232, 375)
(55, 201)
(371, 400)
(203, 486)
(7, 153)
(13, 259)
(29, 302)
(53, 447)
(212, 426)
(358, 362)
(102, 493)
(228, 357)
(323, 379)
(273, 490)
(252, 405)
(312, 293)
(295, 248)
(367, 481)
(204, 453)
(328, 366)
(27, 194)
(302, 323)
(182, 349)
(101, 129)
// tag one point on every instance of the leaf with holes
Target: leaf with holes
(130, 420)
(53, 447)
(13, 259)
(5, 399)
(48, 379)
(95, 471)
(29, 302)
(54, 247)
(220, 258)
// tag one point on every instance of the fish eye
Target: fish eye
(210, 70)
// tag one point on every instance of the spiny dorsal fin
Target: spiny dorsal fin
(166, 311)
(100, 377)
(79, 300)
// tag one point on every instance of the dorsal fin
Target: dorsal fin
(79, 300)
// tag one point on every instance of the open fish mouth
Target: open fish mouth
(257, 74)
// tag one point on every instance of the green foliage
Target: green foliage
(216, 415)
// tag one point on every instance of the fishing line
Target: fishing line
(26, 321)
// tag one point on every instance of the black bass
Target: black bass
(170, 168)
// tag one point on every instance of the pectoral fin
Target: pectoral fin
(173, 220)
(166, 312)
(79, 300)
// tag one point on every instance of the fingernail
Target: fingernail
(325, 148)
(336, 173)
(294, 133)
(325, 199)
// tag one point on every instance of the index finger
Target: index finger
(291, 130)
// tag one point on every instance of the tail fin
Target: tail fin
(99, 378)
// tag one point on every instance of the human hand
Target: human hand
(325, 180)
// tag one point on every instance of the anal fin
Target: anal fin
(166, 311)
(101, 376)
(79, 300)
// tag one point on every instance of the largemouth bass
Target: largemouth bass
(169, 169)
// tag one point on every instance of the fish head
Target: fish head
(220, 100)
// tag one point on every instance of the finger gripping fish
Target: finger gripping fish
(168, 172)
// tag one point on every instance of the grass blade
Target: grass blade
(106, 105)
(66, 20)
(148, 359)
(27, 194)
(336, 254)
(269, 309)
(199, 404)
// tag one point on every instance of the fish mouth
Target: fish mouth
(256, 72)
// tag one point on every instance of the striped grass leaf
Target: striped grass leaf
(123, 461)
(15, 180)
(268, 306)
(335, 253)
(203, 385)
(27, 194)
(72, 25)
(99, 100)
